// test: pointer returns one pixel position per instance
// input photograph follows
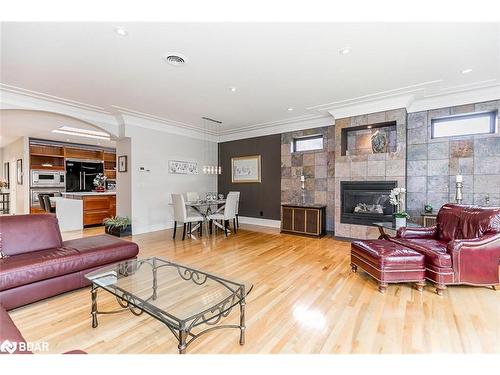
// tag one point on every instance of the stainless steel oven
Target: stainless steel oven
(41, 178)
(35, 202)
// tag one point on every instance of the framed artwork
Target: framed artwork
(246, 169)
(182, 167)
(19, 171)
(6, 173)
(122, 163)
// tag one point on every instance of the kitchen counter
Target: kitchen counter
(87, 193)
(96, 206)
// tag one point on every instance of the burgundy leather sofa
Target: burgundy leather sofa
(35, 263)
(462, 248)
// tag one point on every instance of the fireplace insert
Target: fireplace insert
(366, 202)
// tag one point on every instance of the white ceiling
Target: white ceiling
(273, 66)
(37, 124)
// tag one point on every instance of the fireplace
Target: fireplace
(366, 202)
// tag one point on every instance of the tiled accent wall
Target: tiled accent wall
(434, 163)
(317, 166)
(368, 167)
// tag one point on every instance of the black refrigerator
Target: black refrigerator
(80, 175)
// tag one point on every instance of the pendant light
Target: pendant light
(211, 169)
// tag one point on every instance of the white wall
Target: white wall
(151, 189)
(19, 193)
(124, 180)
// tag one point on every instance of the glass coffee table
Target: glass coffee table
(188, 301)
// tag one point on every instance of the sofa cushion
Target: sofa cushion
(26, 233)
(433, 250)
(100, 250)
(9, 331)
(38, 265)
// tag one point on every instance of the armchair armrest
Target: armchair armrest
(489, 241)
(475, 261)
(407, 232)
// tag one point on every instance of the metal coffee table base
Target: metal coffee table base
(182, 332)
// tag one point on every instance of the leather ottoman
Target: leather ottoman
(388, 262)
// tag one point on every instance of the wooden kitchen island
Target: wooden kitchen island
(96, 206)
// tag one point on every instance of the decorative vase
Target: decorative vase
(400, 222)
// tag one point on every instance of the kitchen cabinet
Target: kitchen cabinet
(96, 206)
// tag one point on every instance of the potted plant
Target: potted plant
(397, 199)
(99, 182)
(118, 226)
(3, 185)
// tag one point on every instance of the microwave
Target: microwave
(47, 179)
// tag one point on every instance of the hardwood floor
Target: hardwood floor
(305, 300)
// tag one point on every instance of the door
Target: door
(89, 172)
(73, 176)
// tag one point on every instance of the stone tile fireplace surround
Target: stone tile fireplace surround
(431, 165)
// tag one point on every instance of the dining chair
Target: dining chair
(228, 214)
(45, 203)
(181, 216)
(41, 202)
(192, 196)
(237, 207)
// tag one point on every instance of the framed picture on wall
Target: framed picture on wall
(122, 163)
(246, 169)
(19, 171)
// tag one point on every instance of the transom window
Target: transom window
(470, 124)
(314, 142)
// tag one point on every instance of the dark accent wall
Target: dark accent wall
(255, 198)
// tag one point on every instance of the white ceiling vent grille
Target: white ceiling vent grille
(175, 59)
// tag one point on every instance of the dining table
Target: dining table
(206, 208)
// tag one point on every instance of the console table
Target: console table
(305, 219)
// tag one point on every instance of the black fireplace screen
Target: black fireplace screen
(366, 202)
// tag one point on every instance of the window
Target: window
(311, 143)
(474, 123)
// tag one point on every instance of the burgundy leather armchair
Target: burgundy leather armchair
(463, 247)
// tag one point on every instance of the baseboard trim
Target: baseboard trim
(258, 221)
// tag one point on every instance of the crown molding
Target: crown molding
(145, 120)
(463, 94)
(376, 97)
(51, 98)
(12, 97)
(277, 127)
(415, 98)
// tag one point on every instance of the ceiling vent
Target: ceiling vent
(175, 59)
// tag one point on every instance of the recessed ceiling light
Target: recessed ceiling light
(233, 89)
(466, 71)
(174, 59)
(290, 109)
(345, 50)
(121, 31)
(369, 127)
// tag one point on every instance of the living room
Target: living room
(328, 186)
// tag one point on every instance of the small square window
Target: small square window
(312, 143)
(471, 124)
